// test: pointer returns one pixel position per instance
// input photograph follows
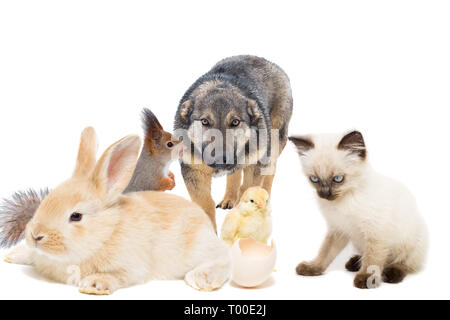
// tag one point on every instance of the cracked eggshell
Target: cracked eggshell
(253, 262)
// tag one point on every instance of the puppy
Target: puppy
(243, 96)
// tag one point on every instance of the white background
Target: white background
(382, 67)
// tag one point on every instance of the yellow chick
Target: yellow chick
(249, 219)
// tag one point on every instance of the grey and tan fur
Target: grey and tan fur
(252, 91)
(151, 174)
(378, 215)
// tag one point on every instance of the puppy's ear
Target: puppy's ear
(303, 144)
(353, 142)
(186, 110)
(253, 111)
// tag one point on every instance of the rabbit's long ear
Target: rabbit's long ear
(86, 153)
(114, 169)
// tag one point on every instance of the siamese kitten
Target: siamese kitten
(377, 214)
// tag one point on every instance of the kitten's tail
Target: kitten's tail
(16, 212)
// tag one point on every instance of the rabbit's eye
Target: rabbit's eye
(170, 144)
(76, 217)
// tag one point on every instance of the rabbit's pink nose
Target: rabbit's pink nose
(37, 238)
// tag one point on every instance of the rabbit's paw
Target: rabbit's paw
(98, 284)
(20, 254)
(205, 279)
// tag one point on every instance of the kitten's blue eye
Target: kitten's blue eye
(314, 179)
(338, 179)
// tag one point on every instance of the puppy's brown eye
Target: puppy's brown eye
(235, 123)
(76, 217)
(205, 122)
(170, 144)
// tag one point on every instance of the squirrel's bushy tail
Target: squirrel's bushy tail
(16, 212)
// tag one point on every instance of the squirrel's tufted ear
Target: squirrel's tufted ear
(253, 111)
(115, 168)
(153, 129)
(354, 143)
(303, 144)
(86, 153)
(186, 110)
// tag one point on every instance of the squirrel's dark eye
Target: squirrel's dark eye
(235, 123)
(205, 122)
(76, 217)
(170, 144)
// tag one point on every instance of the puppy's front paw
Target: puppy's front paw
(367, 281)
(227, 203)
(309, 269)
(97, 284)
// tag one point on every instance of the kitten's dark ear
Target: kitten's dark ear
(354, 143)
(303, 144)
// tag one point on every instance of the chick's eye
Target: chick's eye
(338, 179)
(314, 179)
(76, 217)
(235, 123)
(170, 144)
(252, 201)
(205, 122)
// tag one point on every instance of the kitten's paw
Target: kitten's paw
(97, 284)
(393, 274)
(205, 279)
(309, 269)
(227, 203)
(20, 254)
(367, 281)
(354, 264)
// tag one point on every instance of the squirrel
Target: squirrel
(159, 151)
(152, 173)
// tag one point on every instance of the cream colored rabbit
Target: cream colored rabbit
(86, 232)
